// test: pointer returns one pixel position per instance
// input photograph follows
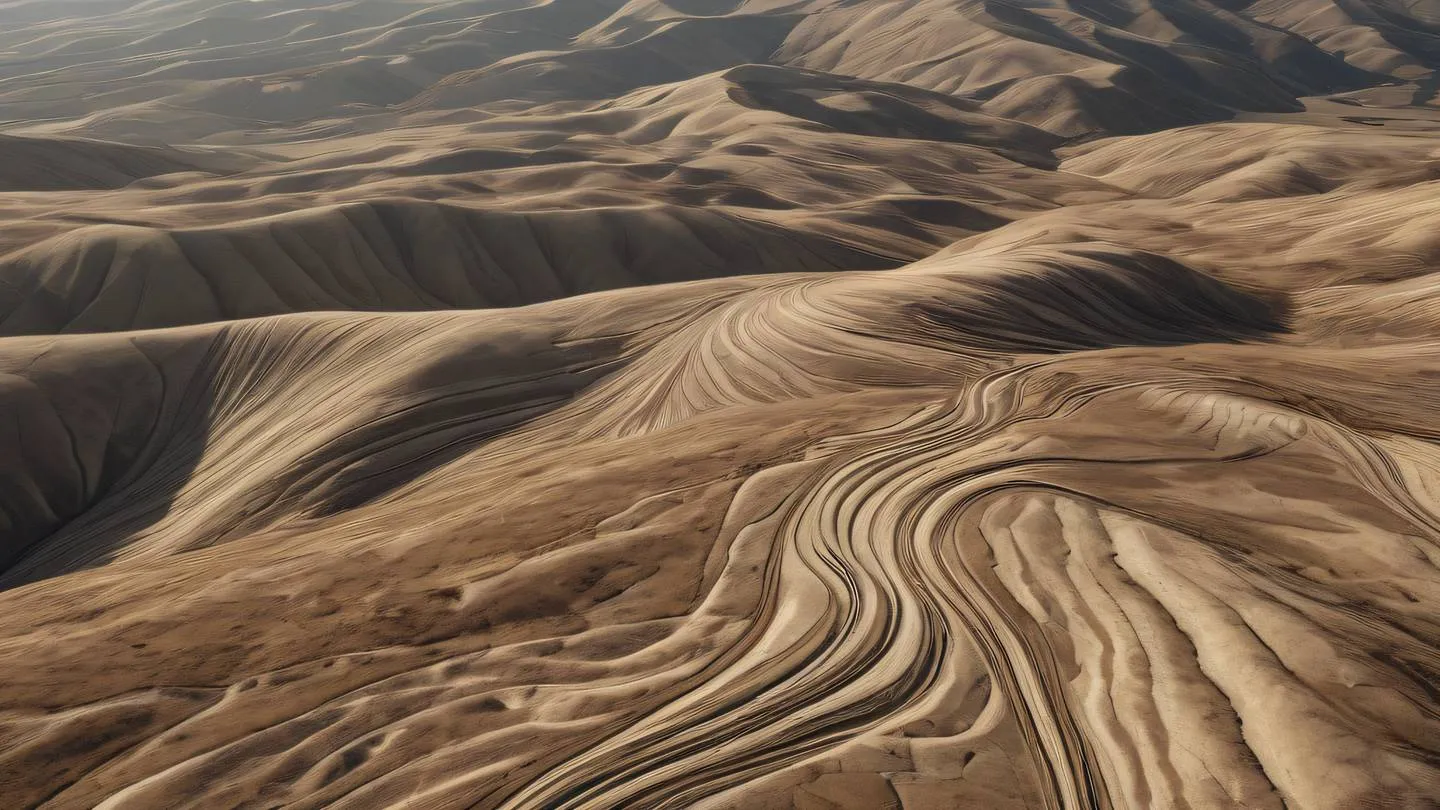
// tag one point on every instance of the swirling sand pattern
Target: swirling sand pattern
(1222, 604)
(979, 533)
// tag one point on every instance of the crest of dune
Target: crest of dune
(814, 404)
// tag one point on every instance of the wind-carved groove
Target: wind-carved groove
(872, 537)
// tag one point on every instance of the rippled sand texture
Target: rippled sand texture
(720, 404)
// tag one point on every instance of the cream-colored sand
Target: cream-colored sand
(719, 404)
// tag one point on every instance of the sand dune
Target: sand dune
(719, 404)
(56, 164)
(386, 255)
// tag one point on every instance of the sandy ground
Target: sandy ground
(719, 404)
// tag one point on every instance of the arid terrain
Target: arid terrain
(815, 404)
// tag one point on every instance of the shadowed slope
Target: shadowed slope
(214, 423)
(57, 164)
(1074, 68)
(795, 170)
(398, 255)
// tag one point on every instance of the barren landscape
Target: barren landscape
(815, 404)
